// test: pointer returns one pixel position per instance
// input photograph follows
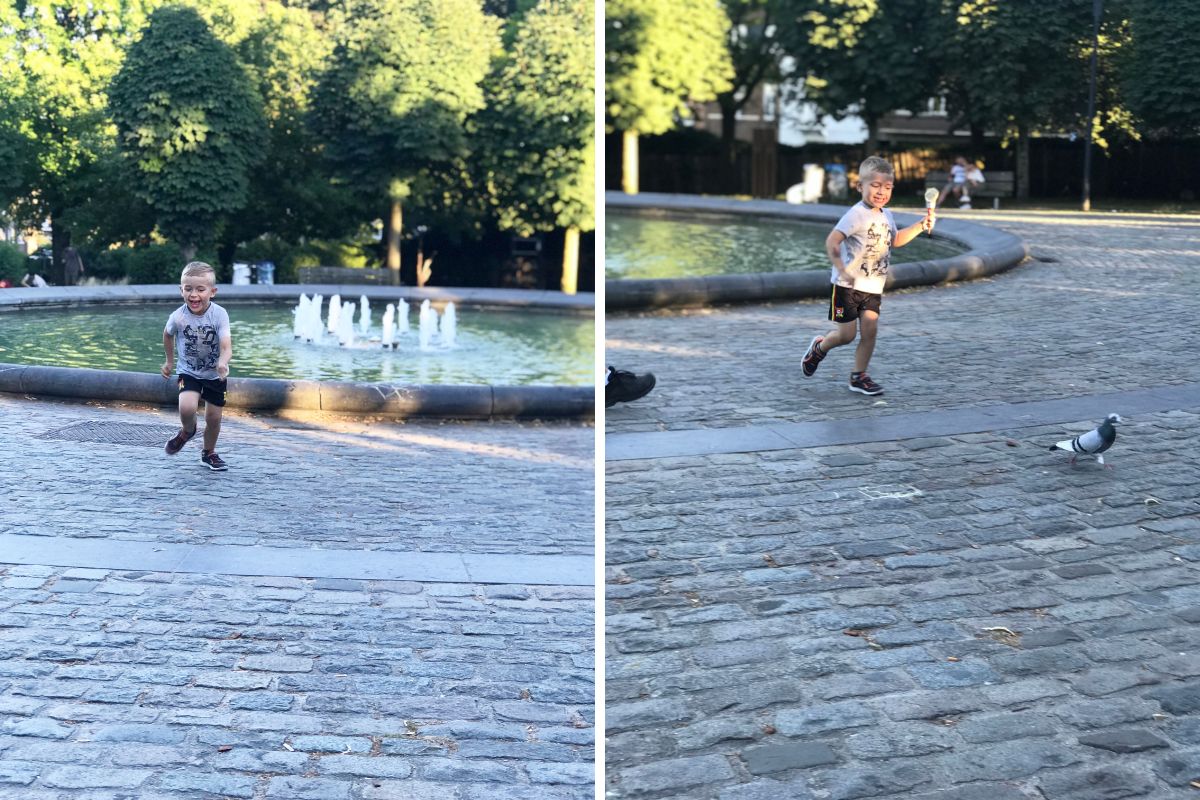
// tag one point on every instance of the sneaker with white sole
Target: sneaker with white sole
(213, 461)
(177, 441)
(861, 382)
(813, 358)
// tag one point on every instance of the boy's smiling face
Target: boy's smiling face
(197, 291)
(876, 188)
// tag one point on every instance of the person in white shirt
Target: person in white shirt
(33, 279)
(859, 248)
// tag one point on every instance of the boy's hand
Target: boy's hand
(222, 370)
(929, 221)
(167, 368)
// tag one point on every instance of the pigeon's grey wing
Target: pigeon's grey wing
(1090, 442)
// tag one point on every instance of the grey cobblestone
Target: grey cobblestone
(1095, 582)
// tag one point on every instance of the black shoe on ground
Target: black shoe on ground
(213, 461)
(813, 357)
(861, 382)
(178, 441)
(624, 386)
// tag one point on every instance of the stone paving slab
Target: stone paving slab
(148, 684)
(893, 427)
(293, 562)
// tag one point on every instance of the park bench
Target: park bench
(996, 184)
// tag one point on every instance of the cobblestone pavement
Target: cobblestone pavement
(481, 488)
(149, 685)
(1093, 321)
(944, 618)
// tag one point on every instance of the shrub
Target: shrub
(12, 263)
(155, 263)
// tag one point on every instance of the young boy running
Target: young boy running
(198, 332)
(859, 248)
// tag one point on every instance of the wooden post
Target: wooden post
(570, 266)
(629, 162)
(395, 223)
(764, 163)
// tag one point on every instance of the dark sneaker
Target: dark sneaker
(861, 382)
(213, 461)
(178, 441)
(624, 386)
(813, 357)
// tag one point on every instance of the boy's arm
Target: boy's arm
(906, 235)
(833, 249)
(225, 357)
(169, 347)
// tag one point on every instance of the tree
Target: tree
(756, 54)
(535, 138)
(190, 125)
(56, 60)
(866, 57)
(290, 194)
(392, 105)
(1017, 68)
(1161, 70)
(660, 54)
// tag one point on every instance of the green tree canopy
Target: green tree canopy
(535, 139)
(190, 125)
(1161, 72)
(866, 57)
(401, 82)
(661, 54)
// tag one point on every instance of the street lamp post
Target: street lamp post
(1097, 10)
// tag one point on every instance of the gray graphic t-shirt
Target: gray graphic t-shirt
(867, 248)
(198, 340)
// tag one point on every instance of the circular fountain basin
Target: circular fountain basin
(982, 251)
(515, 353)
(662, 244)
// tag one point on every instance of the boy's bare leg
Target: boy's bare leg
(844, 333)
(188, 403)
(212, 425)
(868, 327)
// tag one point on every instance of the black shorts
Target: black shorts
(845, 305)
(211, 391)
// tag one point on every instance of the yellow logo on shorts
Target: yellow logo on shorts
(838, 311)
(181, 384)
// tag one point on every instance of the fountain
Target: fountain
(402, 316)
(345, 329)
(364, 314)
(426, 324)
(449, 326)
(302, 315)
(388, 326)
(335, 312)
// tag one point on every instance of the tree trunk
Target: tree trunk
(872, 144)
(1023, 162)
(629, 162)
(570, 265)
(392, 234)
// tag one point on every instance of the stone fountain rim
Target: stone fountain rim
(988, 251)
(268, 395)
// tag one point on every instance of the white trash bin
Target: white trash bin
(241, 274)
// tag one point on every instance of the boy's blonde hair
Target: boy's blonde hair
(197, 268)
(874, 165)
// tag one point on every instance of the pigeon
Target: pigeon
(1094, 442)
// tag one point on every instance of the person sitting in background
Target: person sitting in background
(33, 279)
